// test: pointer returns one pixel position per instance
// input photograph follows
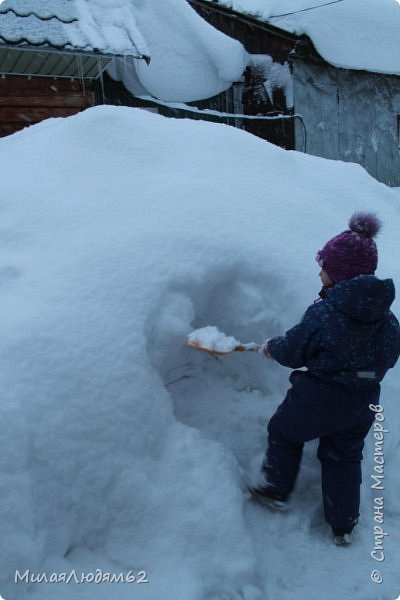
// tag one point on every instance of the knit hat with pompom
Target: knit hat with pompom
(352, 252)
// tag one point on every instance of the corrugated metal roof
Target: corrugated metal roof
(81, 25)
(19, 61)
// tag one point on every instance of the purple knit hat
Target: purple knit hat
(352, 252)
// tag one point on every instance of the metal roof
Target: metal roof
(51, 63)
(90, 26)
(46, 9)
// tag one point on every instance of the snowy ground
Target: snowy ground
(123, 450)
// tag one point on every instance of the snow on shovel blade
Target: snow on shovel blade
(210, 339)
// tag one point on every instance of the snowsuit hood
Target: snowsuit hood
(349, 338)
(364, 298)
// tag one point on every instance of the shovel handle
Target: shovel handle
(250, 347)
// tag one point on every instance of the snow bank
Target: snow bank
(356, 34)
(190, 60)
(121, 232)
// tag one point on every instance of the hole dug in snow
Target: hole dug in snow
(228, 398)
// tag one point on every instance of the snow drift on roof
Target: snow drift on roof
(352, 34)
(190, 60)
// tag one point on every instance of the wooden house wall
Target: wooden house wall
(25, 101)
(256, 38)
(351, 116)
(114, 92)
(347, 115)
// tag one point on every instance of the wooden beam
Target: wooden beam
(33, 115)
(70, 100)
(13, 83)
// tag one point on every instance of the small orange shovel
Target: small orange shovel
(250, 347)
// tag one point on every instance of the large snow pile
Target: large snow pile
(353, 34)
(122, 449)
(190, 60)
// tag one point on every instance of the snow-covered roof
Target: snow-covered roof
(190, 59)
(85, 25)
(352, 34)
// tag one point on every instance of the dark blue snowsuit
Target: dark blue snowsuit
(347, 341)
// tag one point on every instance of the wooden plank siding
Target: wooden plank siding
(25, 101)
(257, 38)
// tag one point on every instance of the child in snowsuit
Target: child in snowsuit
(347, 340)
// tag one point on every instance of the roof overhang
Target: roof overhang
(49, 62)
(245, 18)
(301, 46)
